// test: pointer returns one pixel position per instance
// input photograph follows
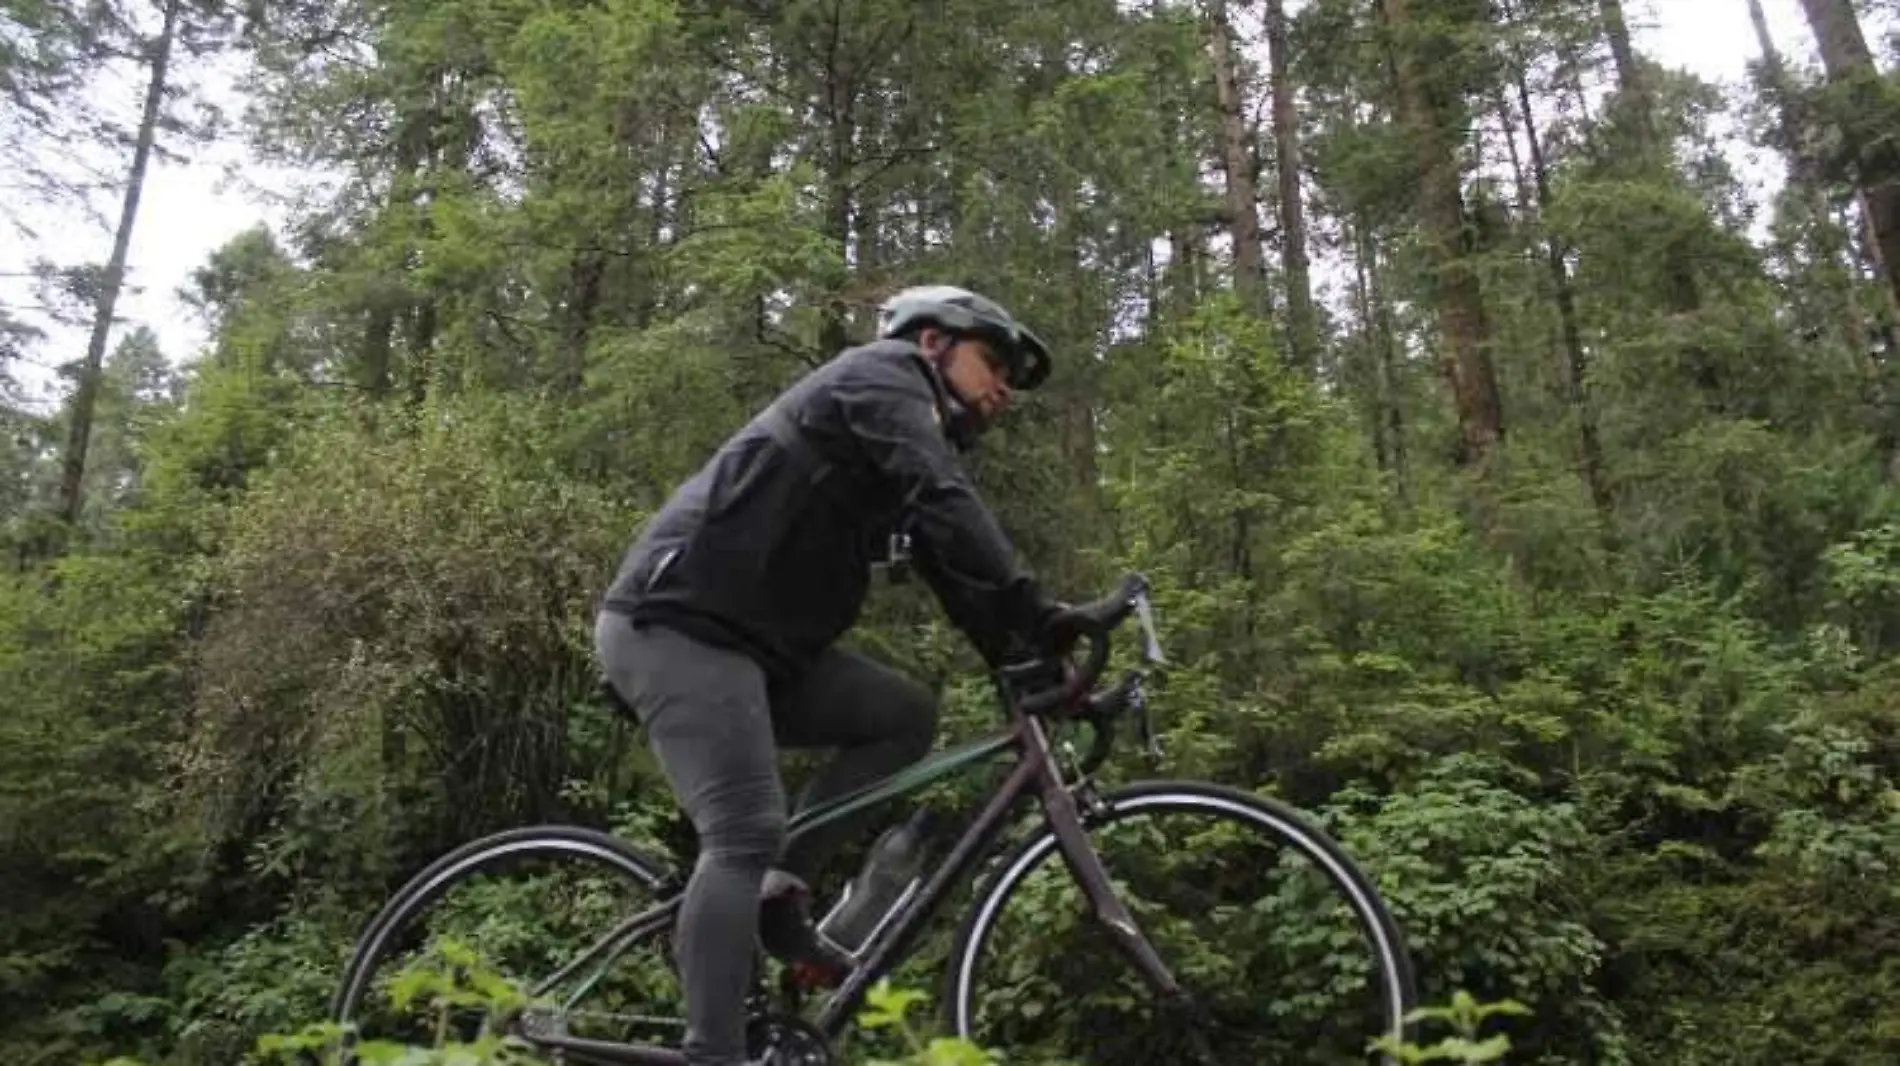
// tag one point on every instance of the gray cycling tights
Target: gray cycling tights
(715, 725)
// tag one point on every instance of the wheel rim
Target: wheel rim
(1296, 947)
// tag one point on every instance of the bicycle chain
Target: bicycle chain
(778, 1039)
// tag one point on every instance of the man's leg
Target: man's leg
(880, 720)
(708, 722)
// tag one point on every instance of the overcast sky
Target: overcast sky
(189, 209)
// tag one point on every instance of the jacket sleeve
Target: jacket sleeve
(958, 544)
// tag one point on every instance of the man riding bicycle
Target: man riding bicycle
(718, 629)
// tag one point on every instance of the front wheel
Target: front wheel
(1284, 945)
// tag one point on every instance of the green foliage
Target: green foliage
(1628, 760)
(454, 980)
(425, 568)
(90, 871)
(889, 1008)
(1483, 880)
(1465, 1015)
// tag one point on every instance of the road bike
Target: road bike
(1311, 969)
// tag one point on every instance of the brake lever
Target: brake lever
(1151, 641)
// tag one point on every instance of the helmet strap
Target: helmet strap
(961, 422)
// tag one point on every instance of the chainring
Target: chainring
(787, 1040)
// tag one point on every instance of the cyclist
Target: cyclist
(718, 629)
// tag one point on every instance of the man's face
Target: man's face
(979, 374)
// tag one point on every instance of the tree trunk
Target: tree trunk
(1185, 253)
(1845, 56)
(1464, 333)
(666, 215)
(1589, 443)
(1637, 107)
(841, 92)
(1871, 253)
(1074, 402)
(448, 134)
(1375, 317)
(1236, 156)
(583, 297)
(1151, 285)
(1301, 320)
(378, 344)
(421, 367)
(388, 303)
(1362, 297)
(86, 394)
(1519, 180)
(1800, 164)
(1826, 242)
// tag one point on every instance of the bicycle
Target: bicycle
(1298, 930)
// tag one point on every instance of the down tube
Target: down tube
(1085, 864)
(845, 1002)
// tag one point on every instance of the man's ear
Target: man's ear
(936, 344)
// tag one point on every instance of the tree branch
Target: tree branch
(769, 336)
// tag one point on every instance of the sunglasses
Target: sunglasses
(1002, 365)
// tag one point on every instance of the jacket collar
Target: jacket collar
(953, 417)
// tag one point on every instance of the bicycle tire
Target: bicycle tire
(1278, 820)
(445, 872)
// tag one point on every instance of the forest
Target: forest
(1518, 481)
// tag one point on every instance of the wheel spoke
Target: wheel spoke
(511, 922)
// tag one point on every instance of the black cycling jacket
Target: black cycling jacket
(769, 547)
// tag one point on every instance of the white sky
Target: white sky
(188, 210)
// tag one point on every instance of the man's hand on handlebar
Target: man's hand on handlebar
(1061, 628)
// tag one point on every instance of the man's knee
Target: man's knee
(741, 819)
(752, 834)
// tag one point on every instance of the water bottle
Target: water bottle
(891, 871)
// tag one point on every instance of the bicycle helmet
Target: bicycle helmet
(961, 311)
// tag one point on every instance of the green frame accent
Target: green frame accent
(910, 779)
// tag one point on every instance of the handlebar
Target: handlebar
(1104, 709)
(1097, 620)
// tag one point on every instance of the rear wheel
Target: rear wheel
(520, 905)
(1284, 945)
